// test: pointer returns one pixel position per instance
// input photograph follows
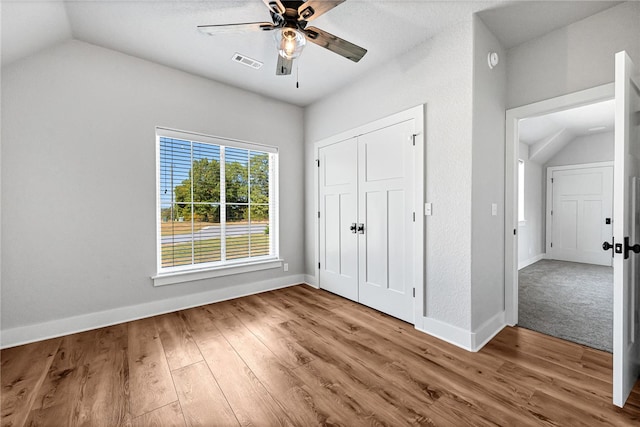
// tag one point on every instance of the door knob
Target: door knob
(606, 246)
(628, 248)
(353, 227)
(360, 228)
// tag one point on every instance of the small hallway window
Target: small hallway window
(521, 190)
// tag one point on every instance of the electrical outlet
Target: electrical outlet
(285, 266)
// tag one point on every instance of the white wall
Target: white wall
(487, 235)
(531, 232)
(580, 150)
(572, 58)
(438, 74)
(78, 179)
(585, 149)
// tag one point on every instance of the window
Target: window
(217, 203)
(520, 190)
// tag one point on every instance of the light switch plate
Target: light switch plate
(494, 209)
(427, 209)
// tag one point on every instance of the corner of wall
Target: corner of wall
(468, 340)
(488, 178)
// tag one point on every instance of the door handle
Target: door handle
(360, 228)
(606, 246)
(353, 227)
(627, 248)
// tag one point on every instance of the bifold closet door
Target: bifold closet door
(386, 209)
(338, 211)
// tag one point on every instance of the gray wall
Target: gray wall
(79, 169)
(437, 73)
(487, 231)
(572, 58)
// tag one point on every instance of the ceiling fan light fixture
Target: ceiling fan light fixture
(289, 42)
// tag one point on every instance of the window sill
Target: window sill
(163, 279)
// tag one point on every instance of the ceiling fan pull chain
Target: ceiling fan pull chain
(297, 75)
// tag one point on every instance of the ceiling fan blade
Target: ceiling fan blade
(275, 6)
(311, 9)
(236, 28)
(284, 66)
(335, 44)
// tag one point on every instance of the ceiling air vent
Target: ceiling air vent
(245, 60)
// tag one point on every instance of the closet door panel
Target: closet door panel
(397, 246)
(338, 176)
(385, 189)
(375, 239)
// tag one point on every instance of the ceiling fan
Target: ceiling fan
(291, 34)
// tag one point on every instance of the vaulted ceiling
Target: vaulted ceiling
(165, 32)
(579, 121)
(548, 134)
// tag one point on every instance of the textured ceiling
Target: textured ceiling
(525, 20)
(165, 32)
(585, 120)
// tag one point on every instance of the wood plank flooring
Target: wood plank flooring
(301, 357)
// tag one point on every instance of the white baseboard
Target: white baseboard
(55, 328)
(470, 341)
(447, 332)
(488, 330)
(311, 281)
(528, 262)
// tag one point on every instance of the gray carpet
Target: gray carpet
(568, 300)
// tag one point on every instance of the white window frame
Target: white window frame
(186, 273)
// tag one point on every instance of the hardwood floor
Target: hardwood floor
(301, 357)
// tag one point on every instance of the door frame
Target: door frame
(513, 116)
(418, 115)
(549, 195)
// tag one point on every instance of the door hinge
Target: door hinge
(514, 231)
(552, 180)
(318, 214)
(318, 162)
(414, 217)
(551, 211)
(414, 292)
(318, 266)
(413, 137)
(551, 244)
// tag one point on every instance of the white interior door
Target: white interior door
(626, 340)
(386, 212)
(582, 202)
(338, 190)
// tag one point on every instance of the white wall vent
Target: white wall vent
(245, 60)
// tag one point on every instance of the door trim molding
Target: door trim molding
(513, 115)
(549, 194)
(418, 115)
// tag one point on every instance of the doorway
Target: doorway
(559, 281)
